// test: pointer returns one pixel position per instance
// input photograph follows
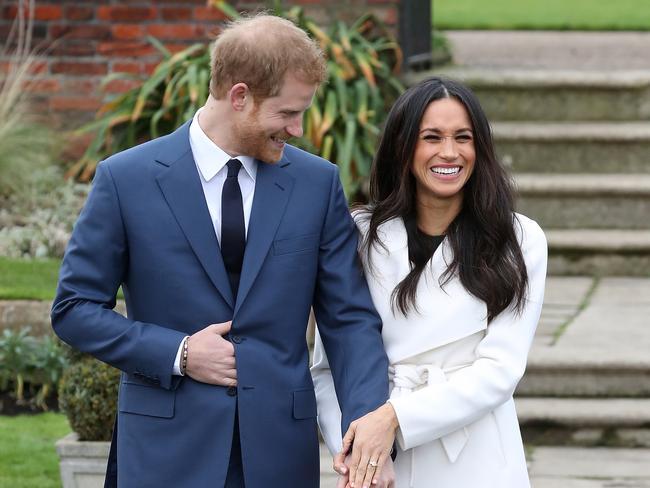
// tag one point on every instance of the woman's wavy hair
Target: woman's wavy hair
(486, 253)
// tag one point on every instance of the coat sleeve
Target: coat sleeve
(93, 268)
(349, 325)
(329, 413)
(470, 393)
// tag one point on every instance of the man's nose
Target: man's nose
(295, 128)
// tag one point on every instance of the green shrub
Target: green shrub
(342, 124)
(88, 396)
(38, 221)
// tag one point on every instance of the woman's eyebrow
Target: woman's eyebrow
(438, 131)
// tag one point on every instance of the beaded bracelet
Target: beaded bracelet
(184, 358)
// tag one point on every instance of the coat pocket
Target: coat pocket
(304, 404)
(146, 400)
(296, 244)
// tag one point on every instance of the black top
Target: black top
(421, 246)
(432, 241)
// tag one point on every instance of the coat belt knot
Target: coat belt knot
(410, 377)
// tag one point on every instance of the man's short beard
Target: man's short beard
(253, 140)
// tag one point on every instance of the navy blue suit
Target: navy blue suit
(146, 227)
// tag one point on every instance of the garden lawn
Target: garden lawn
(28, 458)
(28, 278)
(542, 14)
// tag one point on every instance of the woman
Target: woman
(458, 279)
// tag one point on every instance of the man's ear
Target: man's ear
(239, 95)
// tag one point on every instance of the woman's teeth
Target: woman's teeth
(446, 171)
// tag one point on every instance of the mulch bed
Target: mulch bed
(8, 405)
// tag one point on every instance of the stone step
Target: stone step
(601, 252)
(591, 201)
(528, 49)
(566, 147)
(585, 412)
(555, 95)
(585, 421)
(578, 467)
(583, 374)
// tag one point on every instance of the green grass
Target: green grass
(28, 456)
(28, 279)
(542, 14)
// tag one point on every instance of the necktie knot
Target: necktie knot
(234, 165)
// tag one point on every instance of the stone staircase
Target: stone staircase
(588, 377)
(578, 145)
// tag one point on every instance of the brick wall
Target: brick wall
(88, 39)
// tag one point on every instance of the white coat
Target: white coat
(452, 376)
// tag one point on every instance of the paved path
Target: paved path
(585, 318)
(552, 50)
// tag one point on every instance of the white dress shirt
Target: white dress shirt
(211, 163)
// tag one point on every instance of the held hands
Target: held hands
(373, 436)
(210, 357)
(385, 479)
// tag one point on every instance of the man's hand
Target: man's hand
(383, 479)
(210, 357)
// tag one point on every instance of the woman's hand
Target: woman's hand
(373, 436)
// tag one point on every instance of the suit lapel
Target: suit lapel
(181, 187)
(273, 187)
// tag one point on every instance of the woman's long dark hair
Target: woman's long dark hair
(486, 254)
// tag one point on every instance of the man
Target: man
(223, 237)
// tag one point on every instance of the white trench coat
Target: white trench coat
(452, 376)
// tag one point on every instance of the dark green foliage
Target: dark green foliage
(88, 396)
(30, 366)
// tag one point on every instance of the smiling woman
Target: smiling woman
(458, 279)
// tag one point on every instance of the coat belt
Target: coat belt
(410, 377)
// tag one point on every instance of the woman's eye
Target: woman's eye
(431, 138)
(464, 138)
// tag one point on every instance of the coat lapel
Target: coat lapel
(181, 187)
(273, 187)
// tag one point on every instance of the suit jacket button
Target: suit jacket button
(231, 391)
(237, 339)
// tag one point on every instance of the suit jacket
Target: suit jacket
(146, 227)
(452, 374)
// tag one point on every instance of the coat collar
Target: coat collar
(445, 314)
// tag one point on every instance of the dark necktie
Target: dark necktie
(233, 232)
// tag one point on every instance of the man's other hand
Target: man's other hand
(210, 357)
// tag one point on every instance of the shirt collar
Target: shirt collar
(209, 157)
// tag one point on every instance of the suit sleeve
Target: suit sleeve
(348, 323)
(472, 392)
(93, 268)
